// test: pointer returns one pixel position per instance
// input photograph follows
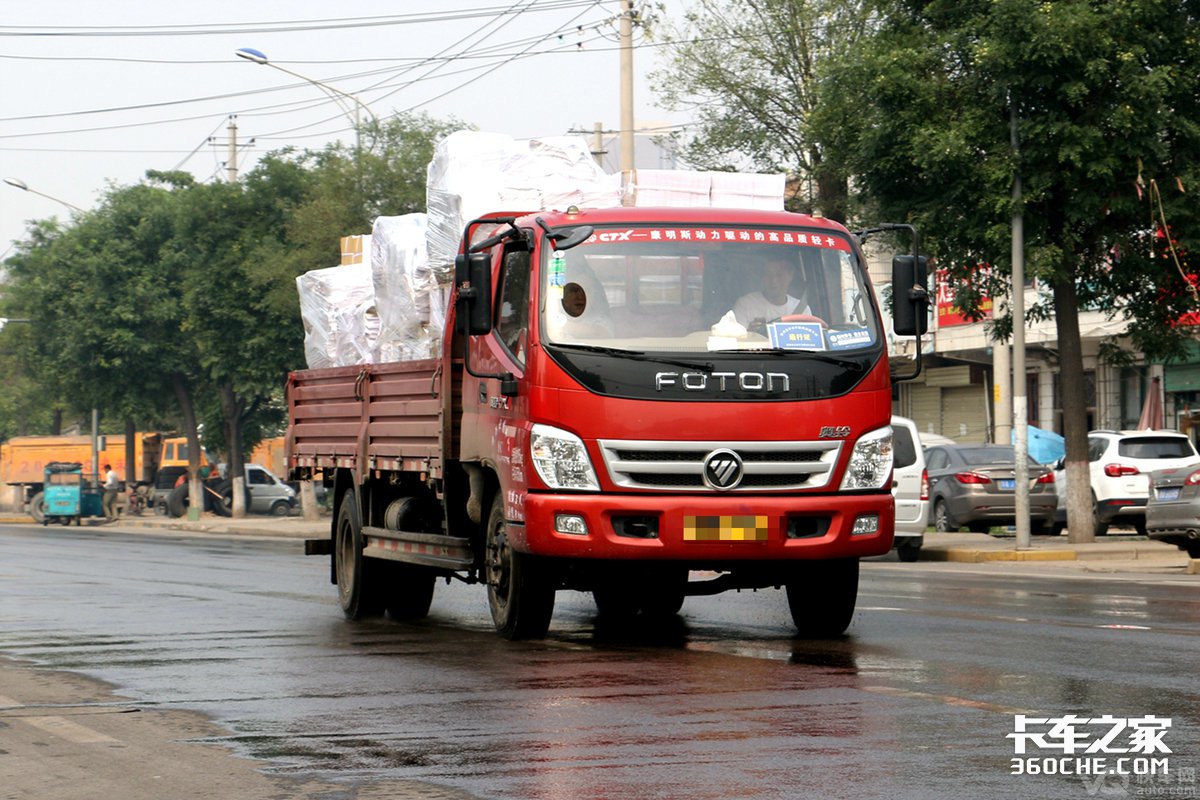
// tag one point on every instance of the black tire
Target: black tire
(821, 596)
(224, 505)
(520, 587)
(1193, 549)
(908, 551)
(37, 507)
(656, 592)
(615, 602)
(409, 591)
(1140, 527)
(943, 522)
(665, 593)
(280, 508)
(178, 501)
(357, 576)
(1100, 528)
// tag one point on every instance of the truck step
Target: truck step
(426, 549)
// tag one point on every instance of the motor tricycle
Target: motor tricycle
(68, 496)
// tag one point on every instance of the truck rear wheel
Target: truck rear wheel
(358, 589)
(520, 588)
(821, 596)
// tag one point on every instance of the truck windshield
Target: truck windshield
(686, 289)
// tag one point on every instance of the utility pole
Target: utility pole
(598, 150)
(626, 47)
(231, 161)
(1020, 401)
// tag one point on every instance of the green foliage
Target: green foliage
(1104, 92)
(170, 283)
(749, 71)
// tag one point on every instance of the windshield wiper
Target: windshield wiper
(820, 355)
(634, 355)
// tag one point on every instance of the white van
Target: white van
(265, 493)
(910, 489)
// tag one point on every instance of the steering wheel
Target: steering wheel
(800, 318)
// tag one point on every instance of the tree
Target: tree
(749, 71)
(1102, 93)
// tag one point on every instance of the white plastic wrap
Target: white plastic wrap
(463, 181)
(687, 189)
(475, 173)
(669, 187)
(402, 278)
(760, 191)
(334, 304)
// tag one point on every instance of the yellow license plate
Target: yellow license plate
(736, 528)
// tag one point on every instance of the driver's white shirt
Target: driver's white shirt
(755, 306)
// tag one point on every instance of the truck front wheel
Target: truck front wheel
(37, 507)
(358, 593)
(520, 588)
(822, 595)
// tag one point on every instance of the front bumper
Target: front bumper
(689, 528)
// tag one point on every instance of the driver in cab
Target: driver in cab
(774, 300)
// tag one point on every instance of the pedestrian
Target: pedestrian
(112, 485)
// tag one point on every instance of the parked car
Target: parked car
(1119, 467)
(975, 485)
(266, 494)
(910, 488)
(1173, 508)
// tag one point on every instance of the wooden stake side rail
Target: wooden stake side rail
(367, 417)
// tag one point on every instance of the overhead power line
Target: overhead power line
(225, 29)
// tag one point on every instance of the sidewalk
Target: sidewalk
(1123, 553)
(291, 527)
(1131, 552)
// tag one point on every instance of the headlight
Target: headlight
(870, 461)
(561, 459)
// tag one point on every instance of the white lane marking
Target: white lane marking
(949, 700)
(71, 731)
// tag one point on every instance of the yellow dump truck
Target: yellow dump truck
(159, 460)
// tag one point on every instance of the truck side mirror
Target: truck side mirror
(910, 295)
(474, 275)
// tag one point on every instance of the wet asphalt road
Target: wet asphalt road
(723, 703)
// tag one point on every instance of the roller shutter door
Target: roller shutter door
(964, 414)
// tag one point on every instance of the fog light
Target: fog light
(570, 523)
(865, 524)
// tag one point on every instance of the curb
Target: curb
(976, 556)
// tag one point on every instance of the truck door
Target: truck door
(495, 435)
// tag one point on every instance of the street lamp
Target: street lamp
(259, 57)
(24, 187)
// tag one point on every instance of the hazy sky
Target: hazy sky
(101, 92)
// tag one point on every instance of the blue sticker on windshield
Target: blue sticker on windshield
(848, 340)
(797, 335)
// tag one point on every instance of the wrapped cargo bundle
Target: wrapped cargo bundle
(474, 173)
(683, 189)
(403, 282)
(564, 172)
(334, 306)
(463, 181)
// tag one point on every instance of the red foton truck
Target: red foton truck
(620, 405)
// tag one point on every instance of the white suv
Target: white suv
(1120, 463)
(910, 488)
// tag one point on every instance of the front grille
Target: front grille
(679, 466)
